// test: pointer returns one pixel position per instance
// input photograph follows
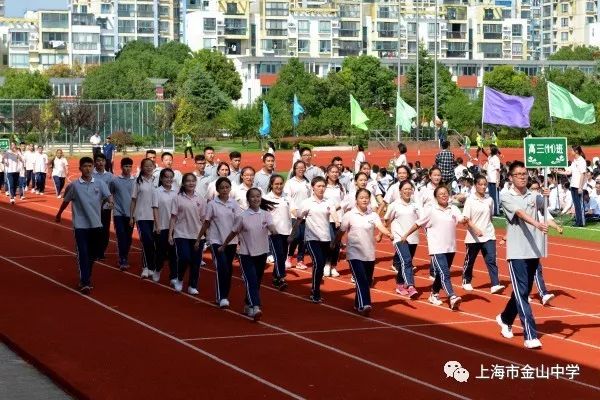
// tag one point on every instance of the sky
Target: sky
(16, 8)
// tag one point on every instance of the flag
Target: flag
(505, 109)
(564, 105)
(404, 114)
(357, 117)
(297, 110)
(265, 129)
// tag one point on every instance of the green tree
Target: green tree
(577, 53)
(187, 118)
(25, 85)
(220, 68)
(200, 90)
(117, 80)
(463, 115)
(447, 89)
(241, 122)
(505, 79)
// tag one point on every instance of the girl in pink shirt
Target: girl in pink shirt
(440, 220)
(283, 227)
(316, 212)
(162, 200)
(246, 183)
(187, 213)
(360, 223)
(253, 227)
(142, 216)
(219, 222)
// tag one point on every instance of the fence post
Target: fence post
(13, 116)
(111, 116)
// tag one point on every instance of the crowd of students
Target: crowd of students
(261, 217)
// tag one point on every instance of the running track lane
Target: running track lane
(384, 346)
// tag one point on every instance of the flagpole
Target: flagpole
(398, 130)
(549, 109)
(435, 77)
(482, 112)
(417, 80)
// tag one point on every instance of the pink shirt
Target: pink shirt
(440, 224)
(479, 211)
(361, 239)
(162, 199)
(190, 211)
(403, 216)
(316, 213)
(253, 231)
(280, 214)
(222, 220)
(142, 192)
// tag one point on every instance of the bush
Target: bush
(33, 137)
(121, 139)
(138, 141)
(507, 143)
(287, 143)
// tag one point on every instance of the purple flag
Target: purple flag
(505, 109)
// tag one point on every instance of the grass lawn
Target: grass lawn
(224, 146)
(591, 232)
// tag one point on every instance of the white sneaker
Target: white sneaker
(41, 193)
(192, 291)
(12, 201)
(59, 196)
(431, 278)
(248, 310)
(32, 190)
(546, 299)
(468, 287)
(334, 273)
(178, 285)
(22, 197)
(224, 303)
(506, 330)
(533, 344)
(256, 313)
(202, 263)
(145, 273)
(435, 299)
(327, 270)
(288, 263)
(497, 289)
(173, 282)
(393, 268)
(156, 276)
(529, 299)
(270, 259)
(455, 302)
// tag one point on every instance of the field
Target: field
(134, 339)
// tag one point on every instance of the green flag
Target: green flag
(357, 117)
(564, 105)
(404, 114)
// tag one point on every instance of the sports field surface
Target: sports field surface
(135, 339)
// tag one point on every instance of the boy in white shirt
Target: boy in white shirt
(40, 167)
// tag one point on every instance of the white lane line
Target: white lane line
(274, 327)
(160, 332)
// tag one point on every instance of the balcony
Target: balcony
(85, 46)
(349, 33)
(456, 35)
(145, 14)
(456, 54)
(387, 34)
(83, 19)
(492, 55)
(145, 30)
(492, 35)
(126, 13)
(126, 29)
(240, 31)
(19, 43)
(276, 32)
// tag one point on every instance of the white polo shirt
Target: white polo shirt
(316, 214)
(142, 193)
(479, 211)
(350, 201)
(401, 160)
(403, 216)
(360, 158)
(253, 231)
(425, 195)
(60, 167)
(40, 163)
(440, 224)
(29, 159)
(11, 162)
(239, 194)
(190, 213)
(335, 194)
(297, 190)
(360, 228)
(577, 168)
(222, 217)
(162, 200)
(492, 169)
(280, 213)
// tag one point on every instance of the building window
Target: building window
(349, 11)
(349, 29)
(589, 6)
(303, 26)
(234, 26)
(411, 27)
(54, 40)
(145, 26)
(107, 42)
(564, 36)
(145, 11)
(19, 38)
(412, 47)
(431, 29)
(105, 8)
(324, 46)
(303, 46)
(564, 22)
(209, 43)
(163, 26)
(163, 11)
(517, 49)
(232, 9)
(387, 29)
(51, 59)
(276, 9)
(387, 12)
(126, 10)
(276, 27)
(468, 70)
(492, 31)
(210, 24)
(85, 41)
(126, 26)
(491, 50)
(517, 30)
(324, 26)
(564, 7)
(55, 20)
(19, 61)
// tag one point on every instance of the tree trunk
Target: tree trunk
(70, 144)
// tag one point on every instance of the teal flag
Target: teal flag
(297, 110)
(404, 114)
(565, 105)
(265, 129)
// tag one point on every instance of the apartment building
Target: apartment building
(18, 36)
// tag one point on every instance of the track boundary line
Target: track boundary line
(433, 338)
(160, 332)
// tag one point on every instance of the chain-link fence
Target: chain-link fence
(65, 122)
